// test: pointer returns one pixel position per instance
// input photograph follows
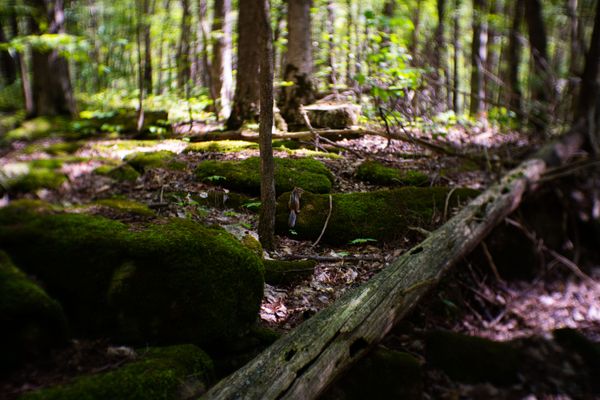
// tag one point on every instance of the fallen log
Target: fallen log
(301, 364)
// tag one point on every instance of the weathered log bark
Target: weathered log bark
(302, 363)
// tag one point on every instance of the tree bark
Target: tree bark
(457, 48)
(441, 76)
(299, 62)
(183, 50)
(266, 224)
(221, 76)
(246, 97)
(514, 94)
(413, 47)
(52, 91)
(148, 11)
(589, 102)
(330, 25)
(478, 58)
(8, 68)
(541, 84)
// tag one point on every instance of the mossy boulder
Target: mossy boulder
(382, 374)
(175, 281)
(278, 272)
(473, 359)
(377, 173)
(38, 128)
(125, 206)
(309, 174)
(175, 372)
(126, 120)
(222, 199)
(120, 173)
(383, 215)
(31, 321)
(142, 161)
(221, 146)
(54, 149)
(31, 176)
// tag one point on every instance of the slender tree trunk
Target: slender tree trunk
(139, 27)
(221, 76)
(351, 54)
(493, 51)
(183, 50)
(266, 224)
(457, 50)
(513, 92)
(161, 45)
(441, 75)
(8, 68)
(279, 27)
(148, 11)
(413, 47)
(330, 26)
(52, 91)
(589, 102)
(478, 58)
(298, 69)
(203, 24)
(389, 9)
(246, 97)
(541, 82)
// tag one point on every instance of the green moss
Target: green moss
(384, 215)
(377, 173)
(120, 173)
(309, 174)
(222, 146)
(124, 145)
(32, 322)
(279, 272)
(382, 374)
(161, 373)
(253, 245)
(286, 144)
(127, 206)
(31, 179)
(142, 161)
(473, 359)
(179, 281)
(55, 149)
(37, 128)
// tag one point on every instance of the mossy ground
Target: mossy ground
(166, 373)
(377, 173)
(31, 176)
(225, 146)
(383, 215)
(32, 322)
(120, 173)
(142, 161)
(244, 175)
(174, 281)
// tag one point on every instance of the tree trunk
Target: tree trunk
(478, 58)
(413, 47)
(541, 83)
(221, 77)
(203, 27)
(266, 224)
(161, 44)
(246, 97)
(8, 68)
(148, 11)
(493, 51)
(330, 27)
(183, 50)
(441, 76)
(52, 91)
(456, 70)
(299, 62)
(588, 97)
(514, 60)
(351, 53)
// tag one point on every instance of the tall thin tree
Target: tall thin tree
(478, 57)
(221, 76)
(266, 225)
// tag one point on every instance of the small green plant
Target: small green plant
(216, 178)
(230, 214)
(255, 205)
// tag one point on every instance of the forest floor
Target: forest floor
(526, 311)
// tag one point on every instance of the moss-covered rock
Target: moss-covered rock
(589, 351)
(473, 359)
(382, 374)
(31, 321)
(31, 176)
(377, 173)
(120, 173)
(175, 281)
(222, 199)
(309, 174)
(54, 149)
(126, 120)
(176, 372)
(127, 207)
(252, 244)
(279, 272)
(221, 146)
(383, 215)
(37, 128)
(142, 161)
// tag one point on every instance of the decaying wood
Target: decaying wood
(303, 363)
